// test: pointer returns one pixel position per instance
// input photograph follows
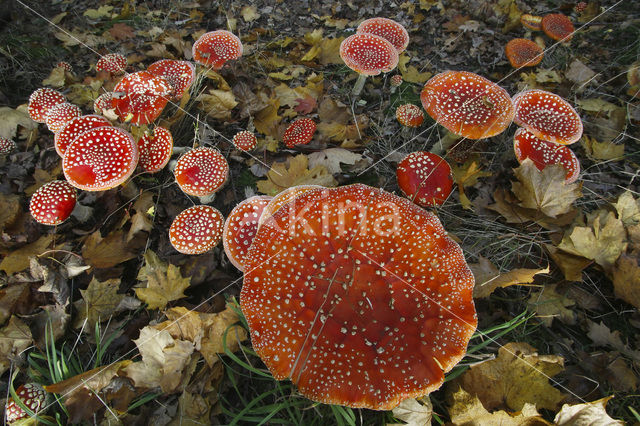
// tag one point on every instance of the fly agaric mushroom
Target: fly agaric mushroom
(240, 228)
(367, 54)
(523, 53)
(32, 396)
(100, 159)
(396, 80)
(53, 202)
(196, 230)
(40, 101)
(75, 128)
(61, 114)
(543, 153)
(467, 104)
(179, 74)
(244, 141)
(66, 65)
(388, 29)
(103, 103)
(140, 97)
(558, 27)
(215, 48)
(531, 22)
(284, 198)
(113, 63)
(547, 116)
(300, 132)
(155, 149)
(425, 178)
(359, 296)
(410, 115)
(201, 171)
(6, 146)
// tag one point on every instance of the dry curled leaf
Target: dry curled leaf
(217, 103)
(281, 177)
(602, 150)
(108, 251)
(99, 302)
(17, 260)
(331, 158)
(488, 278)
(15, 338)
(587, 414)
(11, 119)
(626, 280)
(164, 282)
(413, 412)
(549, 304)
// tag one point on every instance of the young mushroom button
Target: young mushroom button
(531, 22)
(40, 101)
(140, 97)
(244, 140)
(215, 48)
(425, 178)
(388, 29)
(409, 115)
(196, 230)
(6, 146)
(201, 171)
(53, 202)
(113, 63)
(543, 153)
(240, 228)
(300, 132)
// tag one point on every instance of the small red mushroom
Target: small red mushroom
(543, 153)
(409, 115)
(179, 74)
(113, 63)
(425, 178)
(300, 132)
(100, 159)
(388, 29)
(196, 230)
(33, 396)
(244, 140)
(103, 103)
(531, 22)
(40, 101)
(547, 116)
(53, 202)
(558, 27)
(523, 53)
(155, 149)
(59, 115)
(201, 171)
(215, 48)
(6, 146)
(66, 65)
(396, 80)
(467, 104)
(240, 228)
(140, 97)
(75, 128)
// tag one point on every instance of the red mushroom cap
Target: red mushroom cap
(388, 29)
(359, 296)
(467, 104)
(140, 97)
(66, 65)
(196, 230)
(201, 171)
(410, 115)
(283, 198)
(40, 101)
(396, 80)
(100, 159)
(6, 146)
(531, 22)
(53, 202)
(155, 149)
(240, 228)
(368, 54)
(245, 140)
(32, 395)
(425, 178)
(103, 103)
(523, 53)
(75, 128)
(558, 27)
(179, 74)
(215, 48)
(300, 132)
(547, 116)
(59, 115)
(543, 153)
(113, 63)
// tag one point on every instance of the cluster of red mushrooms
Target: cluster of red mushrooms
(355, 294)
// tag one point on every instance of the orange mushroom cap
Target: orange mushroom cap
(215, 48)
(40, 101)
(6, 146)
(100, 159)
(201, 171)
(140, 97)
(532, 22)
(53, 202)
(59, 115)
(547, 116)
(410, 115)
(543, 153)
(155, 149)
(359, 296)
(558, 27)
(244, 140)
(368, 54)
(75, 128)
(523, 53)
(425, 178)
(240, 228)
(300, 132)
(113, 63)
(196, 230)
(467, 104)
(179, 74)
(388, 29)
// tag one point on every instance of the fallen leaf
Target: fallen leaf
(101, 12)
(99, 302)
(164, 283)
(465, 175)
(11, 119)
(142, 220)
(414, 75)
(108, 251)
(217, 103)
(602, 150)
(330, 51)
(193, 409)
(570, 265)
(628, 209)
(56, 78)
(626, 280)
(597, 105)
(331, 158)
(488, 278)
(18, 260)
(267, 119)
(10, 209)
(121, 31)
(12, 298)
(579, 73)
(305, 105)
(587, 414)
(549, 304)
(281, 177)
(249, 13)
(413, 413)
(601, 335)
(15, 338)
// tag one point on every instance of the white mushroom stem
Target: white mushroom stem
(359, 85)
(207, 198)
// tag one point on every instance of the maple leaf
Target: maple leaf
(56, 78)
(628, 209)
(549, 304)
(280, 177)
(488, 278)
(121, 31)
(218, 103)
(602, 150)
(331, 158)
(412, 412)
(142, 219)
(467, 175)
(164, 283)
(626, 280)
(267, 119)
(508, 206)
(590, 413)
(108, 251)
(570, 265)
(305, 105)
(15, 338)
(99, 302)
(603, 336)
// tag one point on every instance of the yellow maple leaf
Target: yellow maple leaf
(281, 177)
(218, 103)
(267, 119)
(99, 302)
(330, 51)
(414, 75)
(164, 283)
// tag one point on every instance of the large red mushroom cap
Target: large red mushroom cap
(75, 128)
(300, 132)
(33, 396)
(547, 116)
(283, 198)
(155, 149)
(368, 54)
(388, 29)
(113, 63)
(425, 178)
(40, 101)
(196, 230)
(179, 74)
(543, 153)
(6, 146)
(558, 27)
(100, 159)
(215, 48)
(244, 140)
(359, 296)
(140, 97)
(523, 53)
(53, 202)
(409, 115)
(467, 104)
(201, 171)
(240, 228)
(59, 115)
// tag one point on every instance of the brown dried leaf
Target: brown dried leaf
(603, 336)
(628, 209)
(249, 13)
(267, 119)
(121, 31)
(10, 209)
(11, 119)
(17, 260)
(331, 158)
(107, 252)
(99, 302)
(570, 265)
(164, 283)
(15, 338)
(549, 304)
(602, 150)
(413, 412)
(218, 103)
(488, 278)
(590, 413)
(626, 280)
(280, 177)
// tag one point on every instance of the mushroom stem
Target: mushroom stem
(359, 85)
